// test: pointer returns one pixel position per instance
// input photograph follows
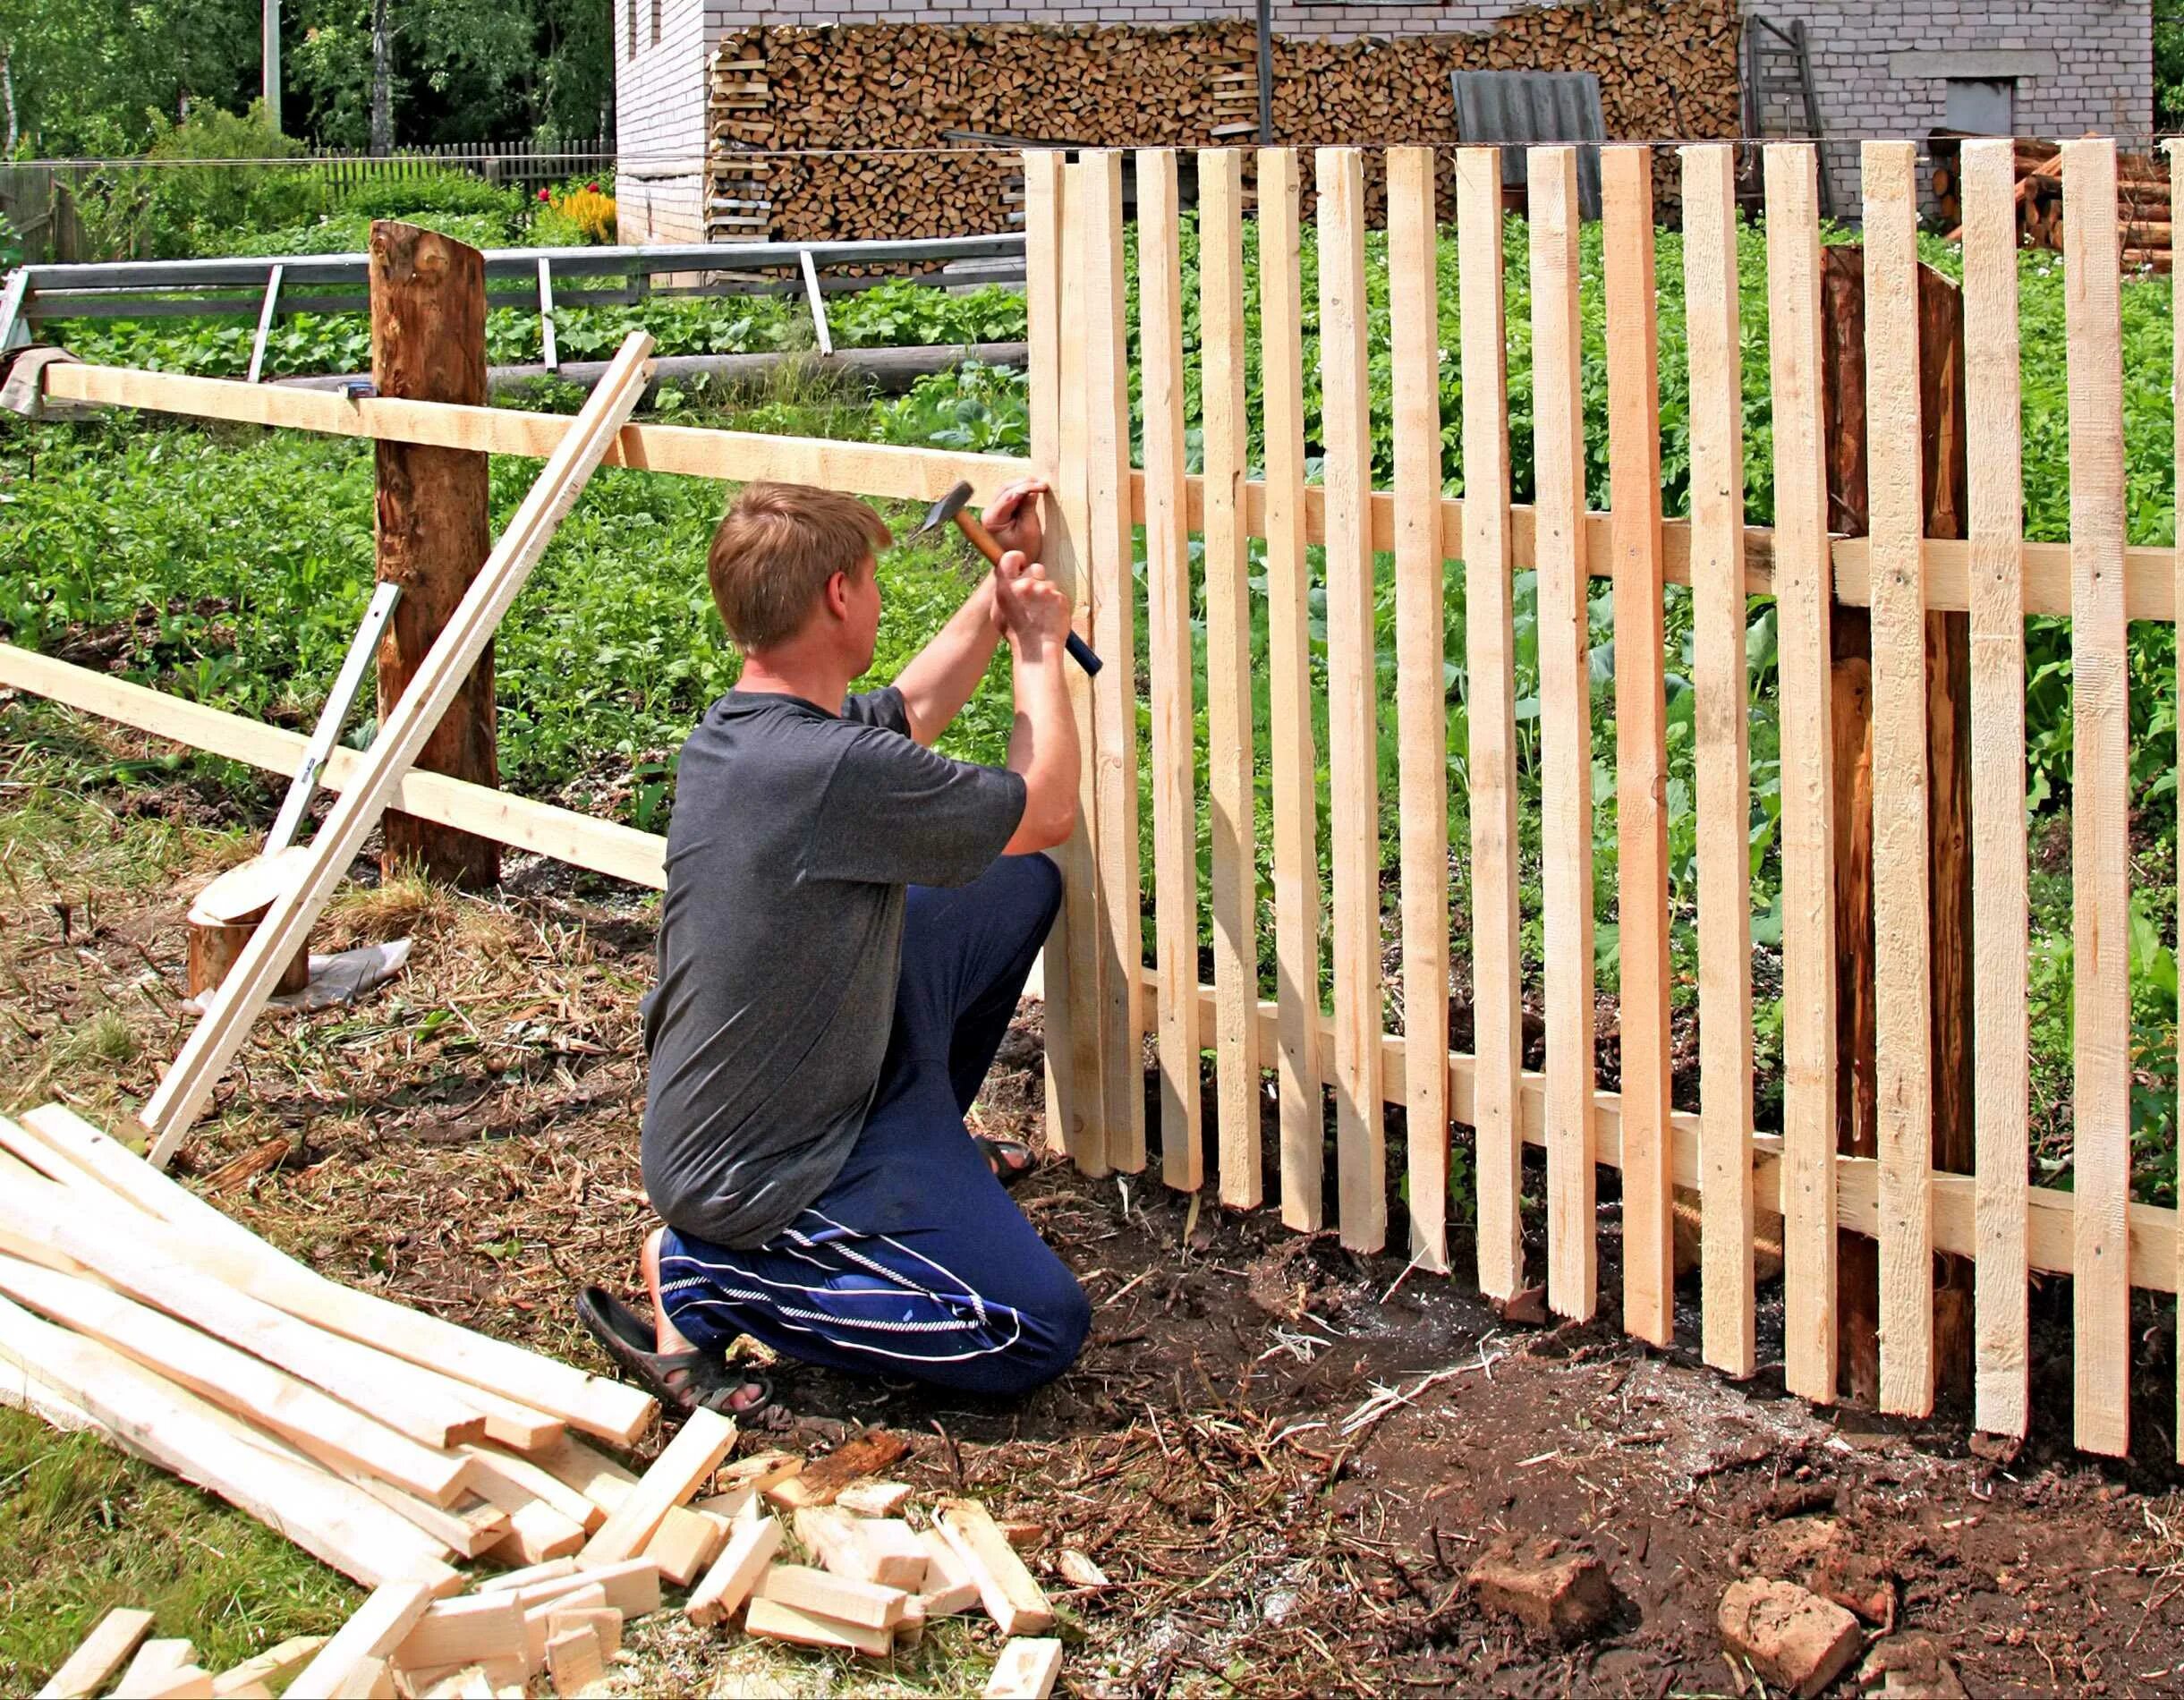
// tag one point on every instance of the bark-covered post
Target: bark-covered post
(428, 343)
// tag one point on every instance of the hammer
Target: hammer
(952, 506)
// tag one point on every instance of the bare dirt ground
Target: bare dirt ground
(1284, 1457)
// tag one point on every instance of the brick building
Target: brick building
(1880, 68)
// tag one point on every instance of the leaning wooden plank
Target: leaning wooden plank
(1168, 650)
(243, 1383)
(225, 1248)
(1296, 808)
(144, 1264)
(1114, 693)
(1025, 1670)
(689, 1458)
(723, 1589)
(188, 1083)
(1641, 740)
(380, 1625)
(1012, 1598)
(1490, 648)
(1230, 785)
(776, 1622)
(1901, 987)
(103, 1651)
(1565, 730)
(1422, 698)
(274, 1669)
(2100, 809)
(2000, 1037)
(1801, 614)
(1353, 695)
(2176, 417)
(1720, 760)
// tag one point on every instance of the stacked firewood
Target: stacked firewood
(823, 102)
(2142, 198)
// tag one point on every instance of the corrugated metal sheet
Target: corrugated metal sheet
(1516, 108)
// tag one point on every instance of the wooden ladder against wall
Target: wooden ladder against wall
(1778, 95)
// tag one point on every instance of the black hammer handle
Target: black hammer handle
(982, 541)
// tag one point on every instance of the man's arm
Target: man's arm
(942, 675)
(1042, 742)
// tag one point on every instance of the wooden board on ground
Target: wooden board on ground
(1025, 1670)
(276, 1668)
(821, 1479)
(685, 1542)
(1565, 731)
(692, 1457)
(1012, 1598)
(574, 1660)
(723, 1589)
(778, 1622)
(378, 1627)
(111, 1643)
(847, 1599)
(469, 1630)
(1491, 648)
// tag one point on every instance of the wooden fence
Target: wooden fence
(1102, 999)
(1102, 1002)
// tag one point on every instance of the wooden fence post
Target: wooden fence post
(433, 531)
(1948, 764)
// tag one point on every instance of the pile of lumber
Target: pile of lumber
(122, 1651)
(2142, 198)
(1665, 69)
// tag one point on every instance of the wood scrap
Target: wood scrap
(602, 1621)
(873, 1498)
(949, 1586)
(274, 1668)
(761, 1471)
(552, 1570)
(1025, 1670)
(827, 1596)
(574, 1660)
(778, 1622)
(526, 1477)
(469, 1630)
(632, 1587)
(685, 1543)
(373, 1678)
(889, 1553)
(377, 1629)
(727, 1586)
(539, 1620)
(818, 1484)
(690, 1458)
(111, 1643)
(190, 1682)
(828, 1535)
(155, 1661)
(1011, 1597)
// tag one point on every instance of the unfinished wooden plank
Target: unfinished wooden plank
(112, 1642)
(1802, 614)
(526, 1477)
(632, 1587)
(1025, 1670)
(511, 1424)
(135, 1256)
(1422, 694)
(537, 1532)
(2100, 810)
(274, 1669)
(1721, 758)
(1641, 739)
(819, 1481)
(1073, 1015)
(1168, 650)
(847, 1599)
(1012, 1598)
(1353, 696)
(1565, 729)
(183, 1090)
(1230, 781)
(685, 1543)
(222, 1246)
(2000, 1037)
(1901, 984)
(2176, 415)
(530, 1575)
(1115, 693)
(470, 1630)
(1490, 651)
(1296, 808)
(1083, 958)
(778, 1622)
(723, 1589)
(692, 1457)
(372, 1678)
(380, 1625)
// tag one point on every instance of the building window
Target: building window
(1981, 106)
(655, 9)
(632, 28)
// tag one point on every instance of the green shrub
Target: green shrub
(171, 209)
(437, 191)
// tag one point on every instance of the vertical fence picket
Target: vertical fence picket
(1114, 693)
(1078, 967)
(1168, 620)
(1353, 738)
(1230, 788)
(1902, 989)
(1641, 741)
(1491, 761)
(2100, 811)
(1296, 862)
(1723, 691)
(2001, 1039)
(1803, 595)
(2176, 417)
(1566, 728)
(1422, 699)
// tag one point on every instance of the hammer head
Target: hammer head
(944, 510)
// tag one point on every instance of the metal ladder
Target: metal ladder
(1778, 94)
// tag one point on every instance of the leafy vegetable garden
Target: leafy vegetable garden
(231, 567)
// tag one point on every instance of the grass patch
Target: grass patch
(84, 1529)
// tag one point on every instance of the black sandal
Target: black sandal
(682, 1381)
(1011, 1160)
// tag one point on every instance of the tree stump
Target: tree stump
(227, 912)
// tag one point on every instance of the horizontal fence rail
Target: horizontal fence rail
(1331, 1066)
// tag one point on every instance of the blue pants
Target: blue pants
(915, 1263)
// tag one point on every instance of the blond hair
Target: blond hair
(776, 547)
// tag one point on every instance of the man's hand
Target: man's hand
(1030, 611)
(1013, 517)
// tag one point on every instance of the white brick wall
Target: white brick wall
(659, 121)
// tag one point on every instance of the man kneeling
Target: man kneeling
(849, 921)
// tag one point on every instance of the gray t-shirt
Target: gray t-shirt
(794, 833)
